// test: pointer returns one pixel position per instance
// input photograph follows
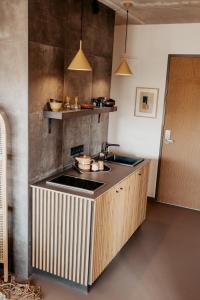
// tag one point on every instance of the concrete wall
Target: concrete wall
(14, 101)
(148, 46)
(53, 40)
(54, 33)
(46, 80)
(98, 36)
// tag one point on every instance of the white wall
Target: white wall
(148, 48)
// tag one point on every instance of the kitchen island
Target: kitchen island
(75, 235)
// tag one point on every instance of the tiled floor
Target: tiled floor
(160, 262)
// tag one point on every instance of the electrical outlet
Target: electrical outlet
(77, 150)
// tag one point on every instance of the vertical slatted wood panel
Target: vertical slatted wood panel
(3, 194)
(61, 234)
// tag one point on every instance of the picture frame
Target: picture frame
(146, 102)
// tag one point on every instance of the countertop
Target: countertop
(115, 175)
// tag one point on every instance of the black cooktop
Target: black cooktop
(75, 183)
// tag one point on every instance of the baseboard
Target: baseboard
(151, 199)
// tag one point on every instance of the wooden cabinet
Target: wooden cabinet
(108, 233)
(75, 237)
(118, 213)
(138, 196)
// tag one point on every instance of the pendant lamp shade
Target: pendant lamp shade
(80, 62)
(123, 69)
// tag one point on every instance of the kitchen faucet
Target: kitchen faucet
(107, 146)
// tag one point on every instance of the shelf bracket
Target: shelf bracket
(49, 125)
(99, 118)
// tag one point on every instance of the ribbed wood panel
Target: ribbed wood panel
(61, 233)
(3, 194)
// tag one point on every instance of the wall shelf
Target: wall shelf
(70, 114)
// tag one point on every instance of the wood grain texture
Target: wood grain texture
(75, 237)
(4, 142)
(180, 162)
(118, 213)
(63, 248)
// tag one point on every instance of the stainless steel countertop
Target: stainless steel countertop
(117, 173)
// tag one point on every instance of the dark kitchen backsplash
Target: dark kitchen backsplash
(54, 33)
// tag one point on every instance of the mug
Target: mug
(95, 166)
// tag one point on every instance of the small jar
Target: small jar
(95, 166)
(101, 165)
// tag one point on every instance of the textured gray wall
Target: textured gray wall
(87, 131)
(54, 34)
(14, 100)
(98, 34)
(46, 80)
(53, 40)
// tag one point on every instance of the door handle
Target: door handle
(167, 137)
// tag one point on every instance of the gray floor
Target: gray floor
(160, 262)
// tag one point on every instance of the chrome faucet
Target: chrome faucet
(107, 146)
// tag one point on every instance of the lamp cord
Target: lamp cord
(81, 20)
(126, 29)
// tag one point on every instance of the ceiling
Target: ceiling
(157, 11)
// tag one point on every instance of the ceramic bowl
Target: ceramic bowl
(56, 105)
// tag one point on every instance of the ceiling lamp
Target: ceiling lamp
(80, 62)
(124, 69)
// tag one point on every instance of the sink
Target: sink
(75, 183)
(125, 160)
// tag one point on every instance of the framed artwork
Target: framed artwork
(146, 102)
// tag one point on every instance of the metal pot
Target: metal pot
(109, 103)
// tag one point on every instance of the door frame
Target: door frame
(164, 115)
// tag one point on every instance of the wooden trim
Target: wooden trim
(163, 124)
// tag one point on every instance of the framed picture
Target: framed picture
(146, 102)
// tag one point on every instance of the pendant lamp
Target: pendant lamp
(80, 62)
(124, 69)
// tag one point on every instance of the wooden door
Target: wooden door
(179, 175)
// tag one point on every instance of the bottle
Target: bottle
(67, 103)
(76, 106)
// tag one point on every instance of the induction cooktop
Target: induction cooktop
(75, 183)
